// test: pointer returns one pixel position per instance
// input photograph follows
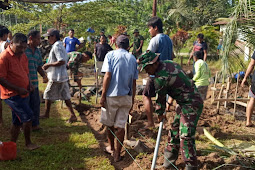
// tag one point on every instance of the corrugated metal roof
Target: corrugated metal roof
(49, 1)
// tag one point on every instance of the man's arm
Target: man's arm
(141, 46)
(205, 55)
(6, 84)
(106, 83)
(55, 64)
(248, 71)
(191, 55)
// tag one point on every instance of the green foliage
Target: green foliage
(211, 37)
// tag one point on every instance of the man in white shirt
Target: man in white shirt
(57, 88)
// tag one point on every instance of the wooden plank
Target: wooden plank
(240, 103)
(226, 94)
(232, 99)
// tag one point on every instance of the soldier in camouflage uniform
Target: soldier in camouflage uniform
(171, 79)
(75, 60)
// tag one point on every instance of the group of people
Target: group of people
(166, 80)
(21, 60)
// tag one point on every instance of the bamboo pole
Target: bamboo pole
(214, 85)
(227, 89)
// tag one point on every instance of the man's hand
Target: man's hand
(31, 88)
(188, 62)
(137, 50)
(102, 102)
(161, 117)
(244, 80)
(45, 79)
(22, 91)
(45, 66)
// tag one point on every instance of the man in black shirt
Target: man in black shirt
(101, 49)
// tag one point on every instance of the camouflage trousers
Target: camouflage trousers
(182, 133)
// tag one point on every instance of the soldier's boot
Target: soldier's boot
(189, 167)
(170, 158)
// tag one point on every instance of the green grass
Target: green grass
(63, 145)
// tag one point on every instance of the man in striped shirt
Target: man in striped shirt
(35, 65)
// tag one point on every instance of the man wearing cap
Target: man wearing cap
(119, 85)
(70, 42)
(57, 87)
(171, 80)
(138, 43)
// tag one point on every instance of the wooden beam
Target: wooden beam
(240, 103)
(154, 8)
(231, 99)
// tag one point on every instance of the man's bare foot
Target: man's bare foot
(108, 150)
(32, 146)
(44, 117)
(250, 125)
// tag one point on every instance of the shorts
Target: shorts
(117, 110)
(251, 94)
(57, 91)
(21, 111)
(203, 91)
(149, 89)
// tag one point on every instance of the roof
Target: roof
(49, 1)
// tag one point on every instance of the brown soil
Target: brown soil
(221, 125)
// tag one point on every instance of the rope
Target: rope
(125, 148)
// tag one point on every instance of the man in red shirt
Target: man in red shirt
(15, 87)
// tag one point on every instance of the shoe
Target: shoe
(170, 158)
(189, 167)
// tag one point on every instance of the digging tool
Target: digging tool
(153, 165)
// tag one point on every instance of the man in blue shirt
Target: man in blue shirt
(71, 42)
(119, 85)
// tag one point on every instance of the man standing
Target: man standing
(171, 80)
(15, 87)
(71, 42)
(35, 65)
(101, 49)
(57, 87)
(162, 44)
(119, 87)
(251, 104)
(138, 43)
(199, 45)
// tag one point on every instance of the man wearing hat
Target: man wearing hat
(57, 87)
(171, 79)
(119, 85)
(137, 44)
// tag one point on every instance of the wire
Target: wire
(125, 148)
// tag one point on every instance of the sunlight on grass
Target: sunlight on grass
(98, 163)
(83, 140)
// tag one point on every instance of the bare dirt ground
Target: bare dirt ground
(221, 125)
(228, 129)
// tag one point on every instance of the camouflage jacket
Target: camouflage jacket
(171, 79)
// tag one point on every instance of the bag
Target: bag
(8, 150)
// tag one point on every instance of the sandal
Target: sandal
(108, 150)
